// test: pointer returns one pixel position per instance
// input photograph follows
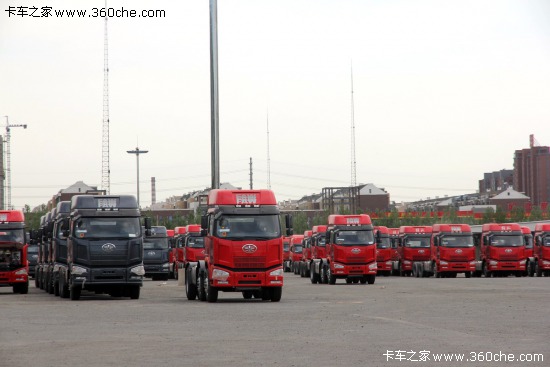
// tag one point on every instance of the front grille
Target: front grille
(108, 277)
(249, 262)
(250, 282)
(458, 258)
(356, 259)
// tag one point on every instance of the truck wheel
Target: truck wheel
(257, 294)
(190, 289)
(401, 271)
(467, 274)
(330, 276)
(371, 278)
(63, 289)
(51, 289)
(201, 291)
(363, 279)
(74, 292)
(175, 272)
(486, 271)
(134, 291)
(312, 275)
(211, 292)
(247, 294)
(306, 271)
(266, 294)
(348, 280)
(276, 293)
(24, 288)
(538, 270)
(36, 284)
(56, 288)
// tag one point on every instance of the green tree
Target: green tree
(517, 214)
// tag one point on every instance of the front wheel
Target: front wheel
(134, 292)
(190, 288)
(201, 291)
(331, 277)
(314, 277)
(247, 294)
(276, 293)
(371, 278)
(74, 292)
(211, 292)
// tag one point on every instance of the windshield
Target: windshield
(107, 228)
(457, 241)
(384, 242)
(297, 249)
(507, 241)
(321, 241)
(12, 235)
(248, 226)
(353, 238)
(151, 243)
(417, 242)
(195, 242)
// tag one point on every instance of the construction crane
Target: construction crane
(8, 157)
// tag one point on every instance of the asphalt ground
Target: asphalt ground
(394, 322)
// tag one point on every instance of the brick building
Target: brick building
(532, 172)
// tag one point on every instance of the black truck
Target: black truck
(59, 248)
(155, 254)
(104, 246)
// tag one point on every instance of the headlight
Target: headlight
(78, 270)
(218, 274)
(493, 262)
(473, 262)
(276, 273)
(544, 262)
(338, 266)
(138, 270)
(373, 266)
(522, 262)
(444, 263)
(166, 265)
(21, 272)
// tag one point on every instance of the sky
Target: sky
(443, 91)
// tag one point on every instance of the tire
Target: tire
(56, 288)
(134, 291)
(74, 292)
(63, 289)
(313, 277)
(276, 293)
(24, 288)
(401, 271)
(201, 287)
(538, 270)
(531, 269)
(415, 270)
(36, 283)
(330, 276)
(51, 289)
(247, 294)
(324, 277)
(190, 289)
(371, 278)
(266, 294)
(348, 280)
(363, 279)
(486, 272)
(468, 274)
(211, 292)
(175, 272)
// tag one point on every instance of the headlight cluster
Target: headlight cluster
(138, 270)
(218, 274)
(338, 266)
(78, 270)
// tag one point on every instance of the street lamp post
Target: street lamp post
(137, 152)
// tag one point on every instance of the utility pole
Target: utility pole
(214, 100)
(268, 157)
(251, 185)
(137, 152)
(105, 168)
(8, 157)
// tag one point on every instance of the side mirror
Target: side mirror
(378, 237)
(204, 222)
(66, 233)
(289, 231)
(288, 221)
(147, 222)
(204, 232)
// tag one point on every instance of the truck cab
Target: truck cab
(383, 250)
(502, 249)
(453, 251)
(413, 246)
(14, 268)
(172, 252)
(59, 249)
(105, 246)
(541, 250)
(351, 249)
(306, 254)
(318, 252)
(296, 252)
(156, 254)
(178, 255)
(286, 254)
(244, 246)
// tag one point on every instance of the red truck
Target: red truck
(452, 252)
(541, 250)
(394, 240)
(192, 244)
(383, 250)
(177, 251)
(529, 251)
(502, 249)
(14, 267)
(244, 246)
(318, 252)
(286, 254)
(296, 252)
(306, 255)
(413, 246)
(351, 250)
(172, 253)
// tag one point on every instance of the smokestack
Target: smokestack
(531, 141)
(153, 191)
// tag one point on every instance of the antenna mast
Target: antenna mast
(105, 170)
(353, 162)
(268, 159)
(8, 157)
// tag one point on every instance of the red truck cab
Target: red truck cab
(351, 249)
(296, 252)
(14, 267)
(413, 246)
(172, 252)
(243, 242)
(318, 252)
(453, 251)
(306, 254)
(383, 250)
(177, 251)
(286, 254)
(502, 249)
(541, 250)
(394, 240)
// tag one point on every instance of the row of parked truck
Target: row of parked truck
(101, 244)
(326, 253)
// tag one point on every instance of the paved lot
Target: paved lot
(313, 325)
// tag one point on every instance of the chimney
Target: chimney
(153, 191)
